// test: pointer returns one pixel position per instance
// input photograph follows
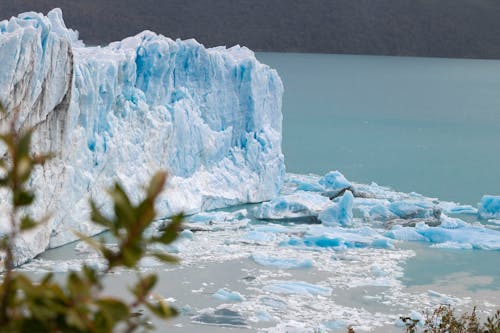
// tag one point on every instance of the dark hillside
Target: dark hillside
(444, 28)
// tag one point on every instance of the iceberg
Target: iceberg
(489, 207)
(211, 117)
(339, 213)
(334, 183)
(228, 296)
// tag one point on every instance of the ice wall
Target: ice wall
(211, 117)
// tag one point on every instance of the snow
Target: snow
(489, 207)
(339, 213)
(211, 117)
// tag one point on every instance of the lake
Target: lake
(417, 124)
(426, 125)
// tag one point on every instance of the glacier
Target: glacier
(211, 117)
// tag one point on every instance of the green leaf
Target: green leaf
(23, 198)
(156, 184)
(24, 168)
(161, 309)
(76, 286)
(148, 282)
(47, 278)
(23, 145)
(122, 206)
(165, 257)
(115, 310)
(27, 223)
(98, 218)
(170, 232)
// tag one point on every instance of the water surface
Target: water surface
(416, 124)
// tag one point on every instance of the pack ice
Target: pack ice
(211, 117)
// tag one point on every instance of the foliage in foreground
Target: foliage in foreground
(444, 320)
(80, 304)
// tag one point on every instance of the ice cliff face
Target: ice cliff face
(211, 117)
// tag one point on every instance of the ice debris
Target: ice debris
(221, 317)
(300, 204)
(340, 238)
(452, 233)
(339, 213)
(282, 263)
(489, 207)
(228, 296)
(334, 183)
(298, 288)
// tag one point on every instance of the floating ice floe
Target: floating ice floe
(406, 209)
(210, 221)
(339, 213)
(300, 204)
(334, 183)
(298, 288)
(489, 207)
(221, 317)
(452, 233)
(282, 263)
(340, 238)
(228, 296)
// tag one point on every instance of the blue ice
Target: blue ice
(228, 296)
(334, 182)
(489, 207)
(282, 263)
(298, 288)
(339, 213)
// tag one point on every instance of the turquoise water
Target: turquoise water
(417, 124)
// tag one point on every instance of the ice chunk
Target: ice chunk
(298, 205)
(298, 287)
(304, 182)
(282, 263)
(457, 209)
(407, 209)
(222, 317)
(211, 117)
(258, 237)
(381, 213)
(453, 233)
(338, 213)
(489, 207)
(340, 238)
(334, 183)
(405, 234)
(217, 216)
(228, 296)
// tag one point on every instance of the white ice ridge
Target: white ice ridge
(210, 117)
